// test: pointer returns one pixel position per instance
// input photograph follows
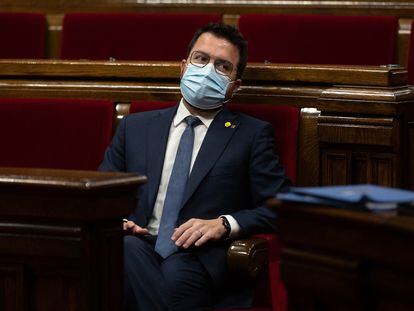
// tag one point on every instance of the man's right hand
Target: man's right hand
(131, 228)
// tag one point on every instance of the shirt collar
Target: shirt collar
(182, 113)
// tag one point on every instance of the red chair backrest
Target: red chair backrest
(22, 35)
(54, 133)
(130, 36)
(320, 39)
(285, 121)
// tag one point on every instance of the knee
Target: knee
(129, 244)
(133, 249)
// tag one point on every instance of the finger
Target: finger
(178, 232)
(184, 237)
(203, 239)
(128, 225)
(137, 230)
(195, 236)
(192, 233)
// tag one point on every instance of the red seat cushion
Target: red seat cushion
(124, 36)
(320, 39)
(54, 133)
(22, 35)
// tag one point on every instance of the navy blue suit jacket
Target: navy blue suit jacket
(235, 171)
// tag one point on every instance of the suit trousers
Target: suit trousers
(178, 282)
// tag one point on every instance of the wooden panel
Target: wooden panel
(338, 259)
(374, 168)
(11, 288)
(308, 148)
(361, 167)
(383, 171)
(54, 35)
(402, 48)
(341, 167)
(410, 154)
(364, 131)
(63, 257)
(335, 167)
(336, 279)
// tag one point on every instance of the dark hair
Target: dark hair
(229, 33)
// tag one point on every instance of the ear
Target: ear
(183, 67)
(234, 86)
(237, 85)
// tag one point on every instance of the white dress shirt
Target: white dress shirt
(177, 128)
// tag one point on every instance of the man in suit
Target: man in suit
(209, 173)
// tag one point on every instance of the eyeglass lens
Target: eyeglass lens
(201, 59)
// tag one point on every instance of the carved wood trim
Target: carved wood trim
(308, 166)
(164, 71)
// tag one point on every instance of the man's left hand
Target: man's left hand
(198, 231)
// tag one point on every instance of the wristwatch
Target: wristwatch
(226, 225)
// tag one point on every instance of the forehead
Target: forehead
(217, 48)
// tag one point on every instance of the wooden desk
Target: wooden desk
(335, 259)
(61, 238)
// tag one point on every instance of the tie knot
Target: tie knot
(192, 121)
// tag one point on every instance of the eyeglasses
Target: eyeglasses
(221, 66)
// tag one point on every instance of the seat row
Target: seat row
(310, 39)
(74, 133)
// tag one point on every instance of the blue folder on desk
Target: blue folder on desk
(369, 197)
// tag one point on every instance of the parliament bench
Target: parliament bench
(355, 125)
(230, 12)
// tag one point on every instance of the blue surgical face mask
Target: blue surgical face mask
(204, 88)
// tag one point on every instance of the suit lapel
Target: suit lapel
(157, 138)
(218, 135)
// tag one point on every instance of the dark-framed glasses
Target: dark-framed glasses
(221, 66)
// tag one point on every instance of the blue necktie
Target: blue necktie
(175, 191)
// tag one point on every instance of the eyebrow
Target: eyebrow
(216, 59)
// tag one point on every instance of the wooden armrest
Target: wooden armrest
(248, 256)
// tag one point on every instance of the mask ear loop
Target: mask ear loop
(232, 93)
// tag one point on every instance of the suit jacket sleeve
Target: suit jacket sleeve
(114, 158)
(266, 179)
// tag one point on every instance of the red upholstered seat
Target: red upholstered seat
(22, 35)
(124, 36)
(54, 133)
(284, 120)
(319, 39)
(270, 291)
